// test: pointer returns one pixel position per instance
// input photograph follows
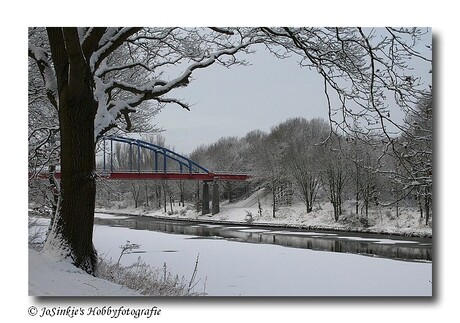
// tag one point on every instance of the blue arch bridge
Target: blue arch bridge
(162, 164)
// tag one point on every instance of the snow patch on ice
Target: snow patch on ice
(379, 241)
(109, 216)
(311, 233)
(254, 230)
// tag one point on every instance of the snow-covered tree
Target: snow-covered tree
(368, 181)
(415, 155)
(335, 172)
(269, 160)
(43, 135)
(97, 78)
(225, 155)
(302, 157)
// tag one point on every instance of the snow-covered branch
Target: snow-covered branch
(90, 42)
(183, 79)
(112, 105)
(109, 42)
(43, 61)
(368, 70)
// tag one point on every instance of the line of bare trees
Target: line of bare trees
(318, 165)
(332, 166)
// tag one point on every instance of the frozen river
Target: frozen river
(254, 261)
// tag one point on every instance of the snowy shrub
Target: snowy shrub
(249, 217)
(146, 279)
(36, 234)
(224, 217)
(390, 215)
(127, 249)
(364, 222)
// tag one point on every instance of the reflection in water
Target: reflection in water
(411, 249)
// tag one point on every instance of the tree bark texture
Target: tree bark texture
(77, 109)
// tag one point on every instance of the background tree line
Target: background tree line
(304, 158)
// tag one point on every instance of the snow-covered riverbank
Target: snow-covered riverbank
(380, 220)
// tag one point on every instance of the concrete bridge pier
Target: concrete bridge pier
(215, 198)
(205, 209)
(205, 205)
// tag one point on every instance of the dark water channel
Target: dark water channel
(383, 246)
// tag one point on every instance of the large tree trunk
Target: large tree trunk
(78, 187)
(73, 229)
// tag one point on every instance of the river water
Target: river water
(236, 260)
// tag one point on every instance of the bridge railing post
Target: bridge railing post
(138, 158)
(111, 156)
(130, 157)
(103, 155)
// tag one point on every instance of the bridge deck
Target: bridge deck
(176, 176)
(166, 176)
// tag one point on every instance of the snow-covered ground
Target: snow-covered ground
(244, 274)
(51, 277)
(46, 272)
(380, 220)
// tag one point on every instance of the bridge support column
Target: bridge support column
(215, 198)
(205, 205)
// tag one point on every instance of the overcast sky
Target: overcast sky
(233, 101)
